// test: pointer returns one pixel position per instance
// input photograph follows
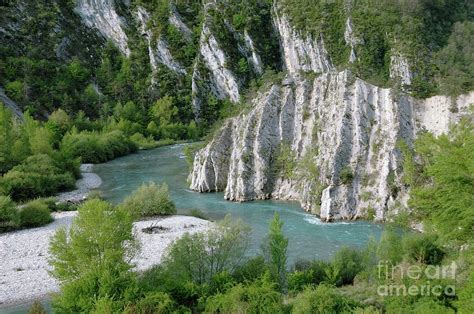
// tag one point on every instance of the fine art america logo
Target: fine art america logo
(387, 272)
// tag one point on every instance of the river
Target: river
(309, 238)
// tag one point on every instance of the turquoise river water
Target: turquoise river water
(309, 238)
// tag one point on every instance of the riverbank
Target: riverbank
(89, 181)
(24, 254)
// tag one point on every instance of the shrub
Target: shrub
(150, 200)
(349, 263)
(143, 142)
(275, 250)
(198, 214)
(422, 248)
(94, 147)
(154, 303)
(198, 257)
(90, 259)
(257, 297)
(9, 217)
(38, 176)
(35, 214)
(298, 280)
(37, 308)
(346, 175)
(322, 299)
(251, 269)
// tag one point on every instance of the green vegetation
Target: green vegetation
(9, 217)
(90, 260)
(435, 36)
(442, 193)
(39, 175)
(285, 161)
(150, 200)
(275, 250)
(35, 214)
(209, 272)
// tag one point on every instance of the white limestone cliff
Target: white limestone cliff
(342, 131)
(101, 14)
(301, 53)
(399, 68)
(158, 51)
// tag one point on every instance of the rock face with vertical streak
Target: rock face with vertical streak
(341, 134)
(101, 14)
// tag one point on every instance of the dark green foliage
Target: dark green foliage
(90, 258)
(253, 268)
(38, 176)
(35, 214)
(348, 263)
(9, 216)
(456, 60)
(444, 194)
(275, 250)
(423, 249)
(150, 200)
(257, 297)
(322, 299)
(95, 147)
(346, 175)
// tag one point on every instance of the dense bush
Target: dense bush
(90, 259)
(444, 198)
(150, 200)
(38, 176)
(257, 297)
(35, 214)
(198, 257)
(253, 268)
(423, 249)
(322, 299)
(349, 264)
(153, 302)
(94, 147)
(9, 217)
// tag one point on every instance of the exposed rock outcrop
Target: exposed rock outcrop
(9, 103)
(399, 68)
(330, 143)
(101, 14)
(301, 53)
(158, 51)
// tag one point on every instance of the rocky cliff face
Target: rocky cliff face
(101, 15)
(330, 143)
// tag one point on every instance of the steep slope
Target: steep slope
(330, 142)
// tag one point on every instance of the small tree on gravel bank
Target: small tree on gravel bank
(92, 259)
(150, 200)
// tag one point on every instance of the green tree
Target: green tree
(275, 249)
(163, 111)
(91, 260)
(445, 197)
(9, 216)
(198, 257)
(150, 200)
(259, 296)
(456, 60)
